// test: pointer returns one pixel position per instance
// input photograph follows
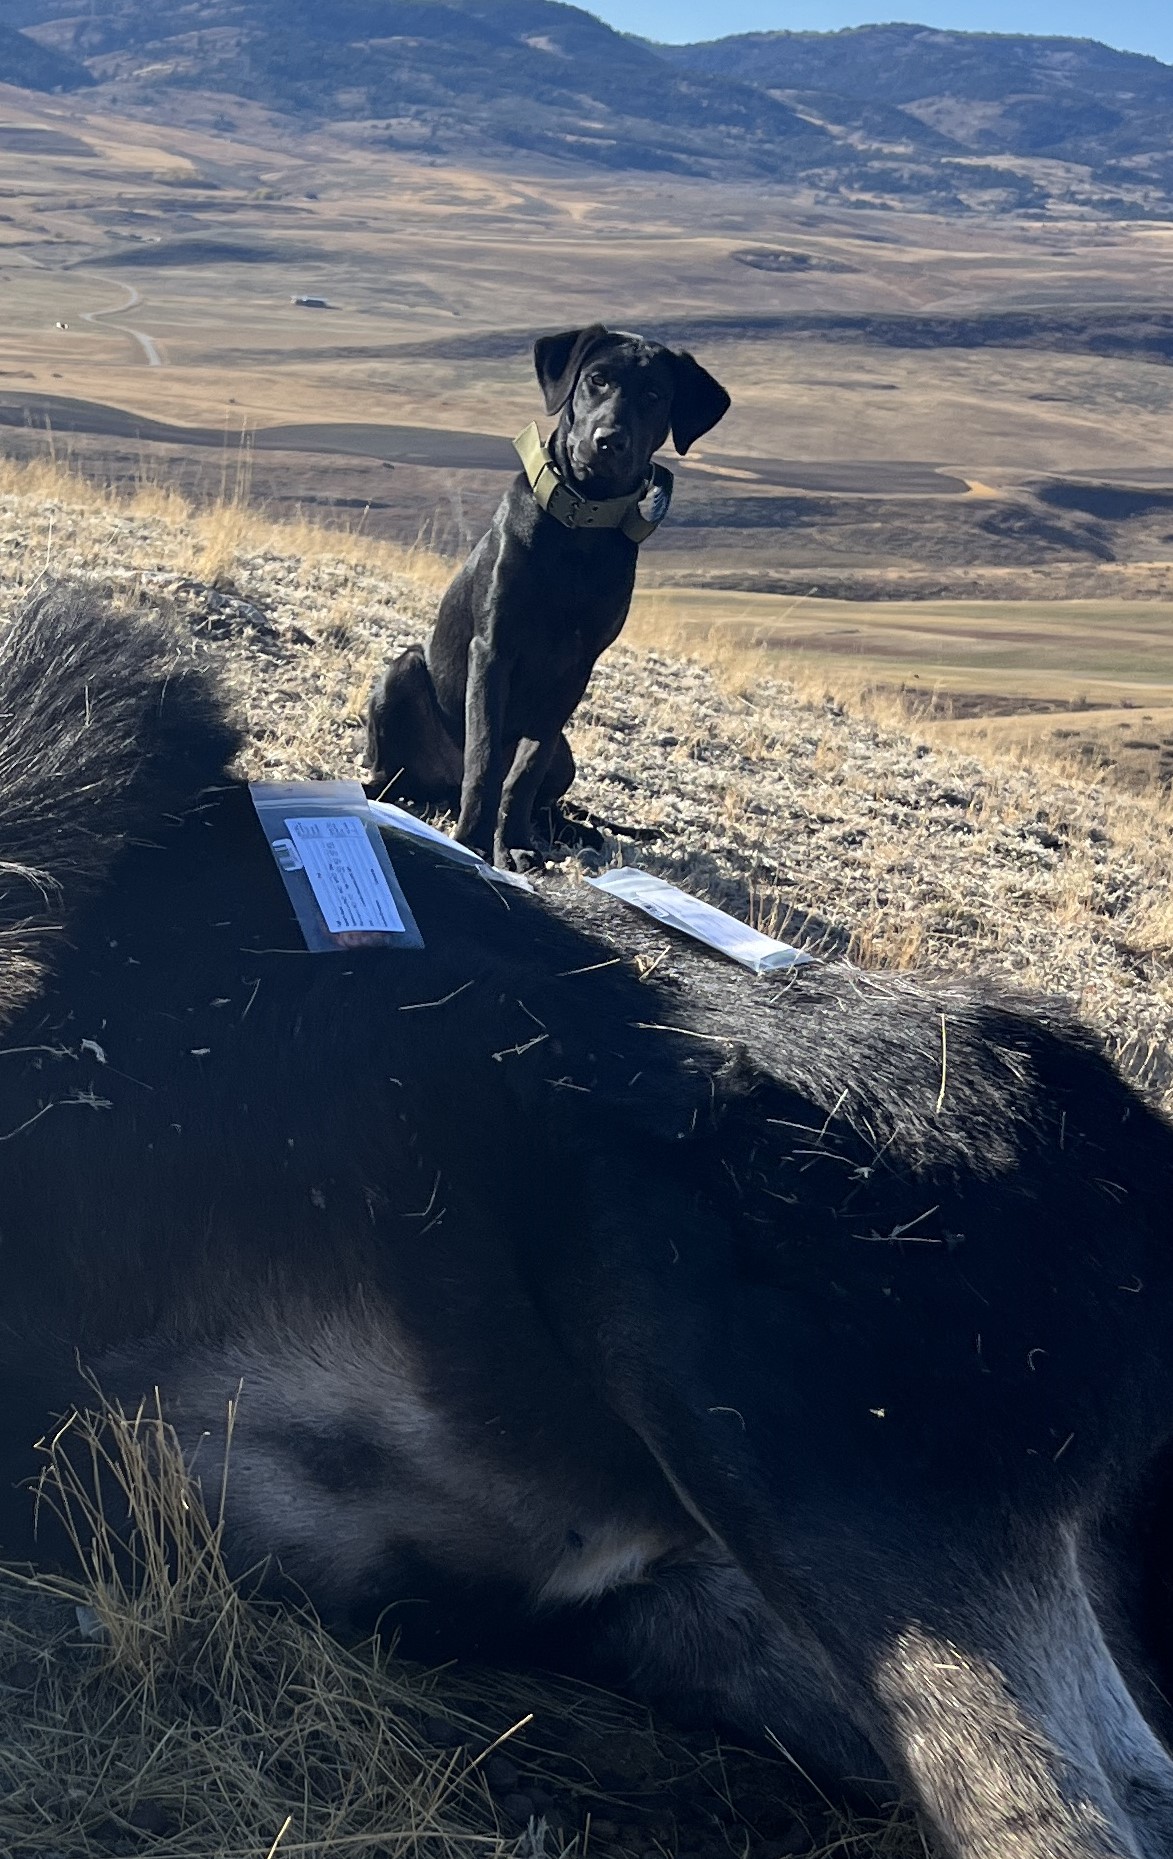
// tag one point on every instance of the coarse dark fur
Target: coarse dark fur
(476, 722)
(797, 1352)
(98, 739)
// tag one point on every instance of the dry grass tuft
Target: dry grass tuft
(894, 1836)
(211, 540)
(150, 1704)
(149, 1700)
(739, 668)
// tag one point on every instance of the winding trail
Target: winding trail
(134, 298)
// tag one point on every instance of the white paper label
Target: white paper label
(344, 874)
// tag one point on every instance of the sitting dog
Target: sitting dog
(476, 721)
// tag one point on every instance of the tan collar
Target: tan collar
(574, 511)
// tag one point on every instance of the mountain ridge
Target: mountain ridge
(1057, 98)
(891, 115)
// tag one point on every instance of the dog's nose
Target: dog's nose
(612, 440)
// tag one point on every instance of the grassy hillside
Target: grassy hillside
(987, 92)
(800, 794)
(526, 76)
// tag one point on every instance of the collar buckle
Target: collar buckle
(562, 501)
(574, 511)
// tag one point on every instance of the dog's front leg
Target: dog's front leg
(484, 750)
(514, 844)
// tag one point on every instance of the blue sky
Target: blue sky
(1133, 25)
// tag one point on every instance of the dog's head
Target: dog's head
(619, 397)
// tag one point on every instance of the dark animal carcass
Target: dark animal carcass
(797, 1351)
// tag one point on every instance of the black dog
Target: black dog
(477, 720)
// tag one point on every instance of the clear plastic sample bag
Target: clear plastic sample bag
(334, 865)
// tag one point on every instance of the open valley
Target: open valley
(924, 411)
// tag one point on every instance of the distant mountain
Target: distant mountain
(1062, 99)
(468, 76)
(37, 67)
(876, 115)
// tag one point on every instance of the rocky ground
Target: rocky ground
(817, 814)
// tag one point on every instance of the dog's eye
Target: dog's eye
(596, 381)
(651, 397)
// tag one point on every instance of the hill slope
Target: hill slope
(794, 802)
(449, 75)
(887, 115)
(1064, 99)
(37, 67)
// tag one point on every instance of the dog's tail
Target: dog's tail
(106, 724)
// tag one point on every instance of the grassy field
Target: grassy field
(198, 241)
(1050, 678)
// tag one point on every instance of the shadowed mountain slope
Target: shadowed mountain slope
(37, 67)
(523, 75)
(896, 115)
(990, 93)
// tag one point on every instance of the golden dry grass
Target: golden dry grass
(1139, 823)
(938, 660)
(209, 540)
(149, 1703)
(179, 1711)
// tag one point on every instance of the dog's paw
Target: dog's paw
(475, 843)
(521, 859)
(573, 828)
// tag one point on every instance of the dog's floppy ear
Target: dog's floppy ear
(698, 402)
(558, 359)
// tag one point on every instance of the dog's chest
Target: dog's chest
(549, 678)
(585, 593)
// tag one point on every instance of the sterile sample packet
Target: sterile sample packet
(386, 813)
(704, 922)
(334, 865)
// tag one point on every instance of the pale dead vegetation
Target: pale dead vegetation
(145, 1698)
(205, 540)
(1045, 869)
(149, 1703)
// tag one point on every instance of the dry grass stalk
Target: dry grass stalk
(149, 1705)
(892, 1836)
(208, 539)
(186, 1712)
